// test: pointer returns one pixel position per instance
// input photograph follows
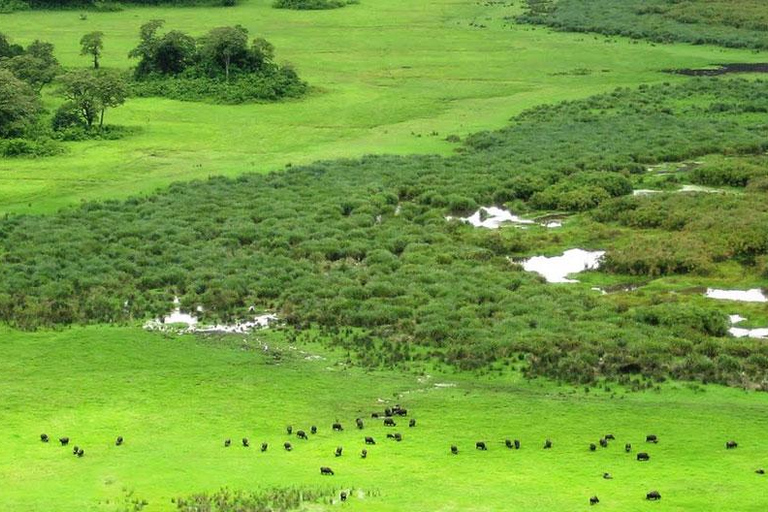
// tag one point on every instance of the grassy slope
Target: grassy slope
(93, 384)
(385, 71)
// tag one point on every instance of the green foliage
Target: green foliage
(738, 24)
(219, 67)
(19, 105)
(89, 94)
(306, 5)
(92, 44)
(365, 243)
(36, 65)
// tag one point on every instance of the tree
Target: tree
(145, 51)
(225, 46)
(174, 52)
(92, 44)
(7, 49)
(19, 105)
(37, 66)
(91, 93)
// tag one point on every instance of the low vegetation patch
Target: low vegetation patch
(270, 500)
(311, 5)
(737, 24)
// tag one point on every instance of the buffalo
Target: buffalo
(288, 447)
(603, 442)
(227, 442)
(369, 440)
(387, 412)
(760, 471)
(454, 449)
(44, 438)
(374, 415)
(397, 436)
(264, 447)
(325, 470)
(731, 445)
(607, 476)
(64, 441)
(642, 456)
(508, 444)
(412, 423)
(75, 450)
(119, 441)
(480, 445)
(246, 444)
(313, 429)
(653, 496)
(547, 444)
(592, 447)
(337, 427)
(343, 496)
(301, 434)
(399, 411)
(627, 447)
(610, 437)
(80, 452)
(389, 422)
(339, 449)
(517, 444)
(359, 423)
(594, 500)
(651, 438)
(289, 429)
(364, 454)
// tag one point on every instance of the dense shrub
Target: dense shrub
(307, 5)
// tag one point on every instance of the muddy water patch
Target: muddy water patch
(185, 323)
(741, 332)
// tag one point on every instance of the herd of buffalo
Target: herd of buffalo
(389, 415)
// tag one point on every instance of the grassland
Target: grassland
(387, 75)
(175, 399)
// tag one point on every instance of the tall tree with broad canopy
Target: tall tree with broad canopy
(92, 44)
(90, 94)
(19, 105)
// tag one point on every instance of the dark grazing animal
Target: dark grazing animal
(517, 444)
(75, 450)
(44, 438)
(607, 476)
(627, 447)
(412, 423)
(289, 429)
(339, 449)
(119, 441)
(337, 427)
(301, 434)
(80, 452)
(369, 440)
(399, 411)
(653, 496)
(454, 449)
(610, 437)
(603, 442)
(288, 447)
(64, 441)
(325, 470)
(359, 423)
(594, 500)
(364, 454)
(374, 415)
(397, 436)
(508, 444)
(731, 445)
(246, 444)
(760, 471)
(227, 442)
(387, 412)
(480, 445)
(343, 496)
(592, 447)
(547, 444)
(313, 429)
(642, 456)
(651, 438)
(389, 422)
(264, 447)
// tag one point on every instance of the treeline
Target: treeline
(100, 5)
(223, 65)
(731, 23)
(309, 5)
(365, 243)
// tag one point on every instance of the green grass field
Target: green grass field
(386, 75)
(96, 383)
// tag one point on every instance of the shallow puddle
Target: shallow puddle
(753, 295)
(557, 268)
